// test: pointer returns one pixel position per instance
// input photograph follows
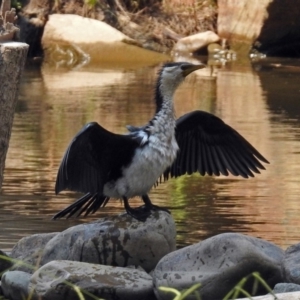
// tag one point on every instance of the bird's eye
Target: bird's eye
(184, 67)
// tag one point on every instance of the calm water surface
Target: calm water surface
(262, 102)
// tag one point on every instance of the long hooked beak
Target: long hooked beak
(189, 68)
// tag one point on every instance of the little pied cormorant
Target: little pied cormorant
(103, 164)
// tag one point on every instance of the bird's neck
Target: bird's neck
(164, 97)
(164, 104)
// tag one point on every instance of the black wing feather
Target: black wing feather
(94, 157)
(210, 146)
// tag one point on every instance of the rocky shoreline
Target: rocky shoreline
(119, 257)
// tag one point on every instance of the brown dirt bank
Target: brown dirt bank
(155, 24)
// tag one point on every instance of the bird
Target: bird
(103, 165)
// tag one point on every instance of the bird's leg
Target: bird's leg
(139, 213)
(150, 206)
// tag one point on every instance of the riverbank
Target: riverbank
(155, 25)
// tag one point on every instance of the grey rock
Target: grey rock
(5, 262)
(116, 241)
(195, 42)
(218, 263)
(110, 283)
(291, 264)
(14, 285)
(286, 287)
(28, 251)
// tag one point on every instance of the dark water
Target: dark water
(262, 102)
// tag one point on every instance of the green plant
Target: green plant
(16, 4)
(182, 295)
(238, 288)
(233, 294)
(91, 3)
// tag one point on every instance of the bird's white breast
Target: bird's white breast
(148, 163)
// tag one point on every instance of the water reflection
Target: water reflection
(261, 103)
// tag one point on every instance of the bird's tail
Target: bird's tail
(89, 203)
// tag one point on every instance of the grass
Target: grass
(237, 291)
(193, 290)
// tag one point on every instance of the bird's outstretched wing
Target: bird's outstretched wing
(208, 145)
(94, 157)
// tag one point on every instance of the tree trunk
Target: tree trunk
(12, 60)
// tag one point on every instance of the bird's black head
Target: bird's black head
(180, 68)
(169, 78)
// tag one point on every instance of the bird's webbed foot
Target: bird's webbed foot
(139, 213)
(148, 205)
(143, 212)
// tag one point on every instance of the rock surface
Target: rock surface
(271, 25)
(218, 263)
(241, 20)
(286, 287)
(195, 42)
(93, 39)
(106, 282)
(117, 241)
(284, 296)
(291, 264)
(101, 257)
(15, 285)
(80, 30)
(29, 250)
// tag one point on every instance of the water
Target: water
(262, 102)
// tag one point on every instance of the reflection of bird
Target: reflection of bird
(104, 164)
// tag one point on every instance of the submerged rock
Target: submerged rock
(56, 280)
(218, 263)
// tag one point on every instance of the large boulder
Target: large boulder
(282, 296)
(218, 263)
(28, 251)
(196, 42)
(291, 264)
(241, 20)
(56, 280)
(82, 31)
(272, 26)
(116, 241)
(286, 288)
(14, 285)
(71, 39)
